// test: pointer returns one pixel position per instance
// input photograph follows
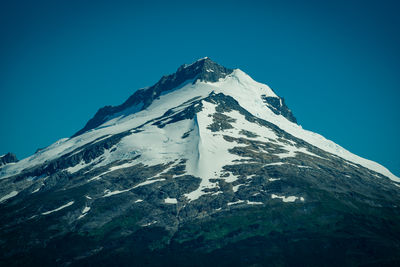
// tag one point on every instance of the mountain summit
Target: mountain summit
(207, 166)
(203, 69)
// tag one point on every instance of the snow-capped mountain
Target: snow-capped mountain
(199, 149)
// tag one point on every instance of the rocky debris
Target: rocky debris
(220, 122)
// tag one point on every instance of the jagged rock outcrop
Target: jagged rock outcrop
(8, 158)
(279, 107)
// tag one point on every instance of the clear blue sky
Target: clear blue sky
(336, 62)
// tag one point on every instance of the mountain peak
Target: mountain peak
(204, 70)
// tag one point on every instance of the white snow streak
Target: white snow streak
(236, 202)
(84, 212)
(287, 199)
(57, 209)
(171, 200)
(109, 193)
(9, 195)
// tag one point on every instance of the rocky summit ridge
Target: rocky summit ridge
(202, 70)
(206, 167)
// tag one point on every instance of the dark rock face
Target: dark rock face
(278, 106)
(202, 70)
(8, 158)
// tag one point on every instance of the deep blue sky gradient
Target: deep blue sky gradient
(336, 62)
